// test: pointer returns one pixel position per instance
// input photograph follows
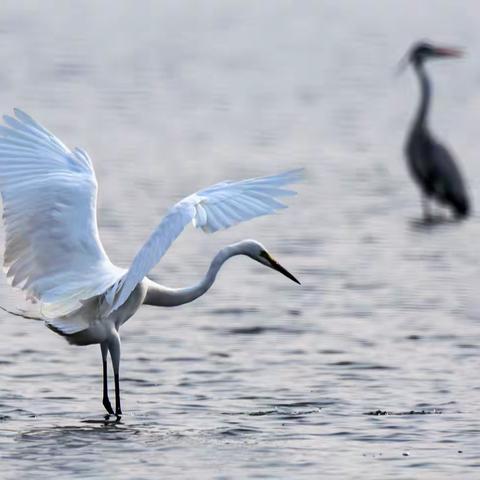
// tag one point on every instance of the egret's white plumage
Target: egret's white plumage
(52, 247)
(214, 208)
(53, 250)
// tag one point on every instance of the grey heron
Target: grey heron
(431, 165)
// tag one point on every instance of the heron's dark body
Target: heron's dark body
(435, 172)
(430, 163)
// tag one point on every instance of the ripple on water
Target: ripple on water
(281, 412)
(258, 330)
(379, 318)
(233, 311)
(379, 412)
(183, 359)
(361, 365)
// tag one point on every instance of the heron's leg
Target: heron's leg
(114, 348)
(427, 212)
(106, 400)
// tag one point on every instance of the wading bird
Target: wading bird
(430, 163)
(53, 250)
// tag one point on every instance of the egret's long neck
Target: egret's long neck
(425, 95)
(171, 297)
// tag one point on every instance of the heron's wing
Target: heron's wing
(52, 247)
(443, 178)
(446, 170)
(214, 208)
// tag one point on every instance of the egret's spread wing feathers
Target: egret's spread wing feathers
(214, 208)
(52, 247)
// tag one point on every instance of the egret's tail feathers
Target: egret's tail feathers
(22, 313)
(64, 326)
(67, 325)
(55, 329)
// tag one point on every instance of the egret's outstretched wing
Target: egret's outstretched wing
(52, 248)
(214, 208)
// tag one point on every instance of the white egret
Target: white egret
(53, 250)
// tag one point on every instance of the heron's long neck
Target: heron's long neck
(425, 95)
(171, 297)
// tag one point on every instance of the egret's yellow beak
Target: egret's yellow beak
(276, 266)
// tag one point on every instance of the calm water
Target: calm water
(260, 378)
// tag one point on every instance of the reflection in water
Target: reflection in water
(431, 222)
(76, 436)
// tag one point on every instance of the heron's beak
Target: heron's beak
(402, 64)
(449, 52)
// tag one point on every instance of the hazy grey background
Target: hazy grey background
(260, 378)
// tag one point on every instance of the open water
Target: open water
(370, 369)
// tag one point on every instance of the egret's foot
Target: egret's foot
(108, 406)
(111, 419)
(118, 412)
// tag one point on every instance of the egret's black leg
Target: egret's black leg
(106, 400)
(114, 348)
(118, 408)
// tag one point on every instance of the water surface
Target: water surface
(370, 369)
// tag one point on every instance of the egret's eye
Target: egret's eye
(267, 257)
